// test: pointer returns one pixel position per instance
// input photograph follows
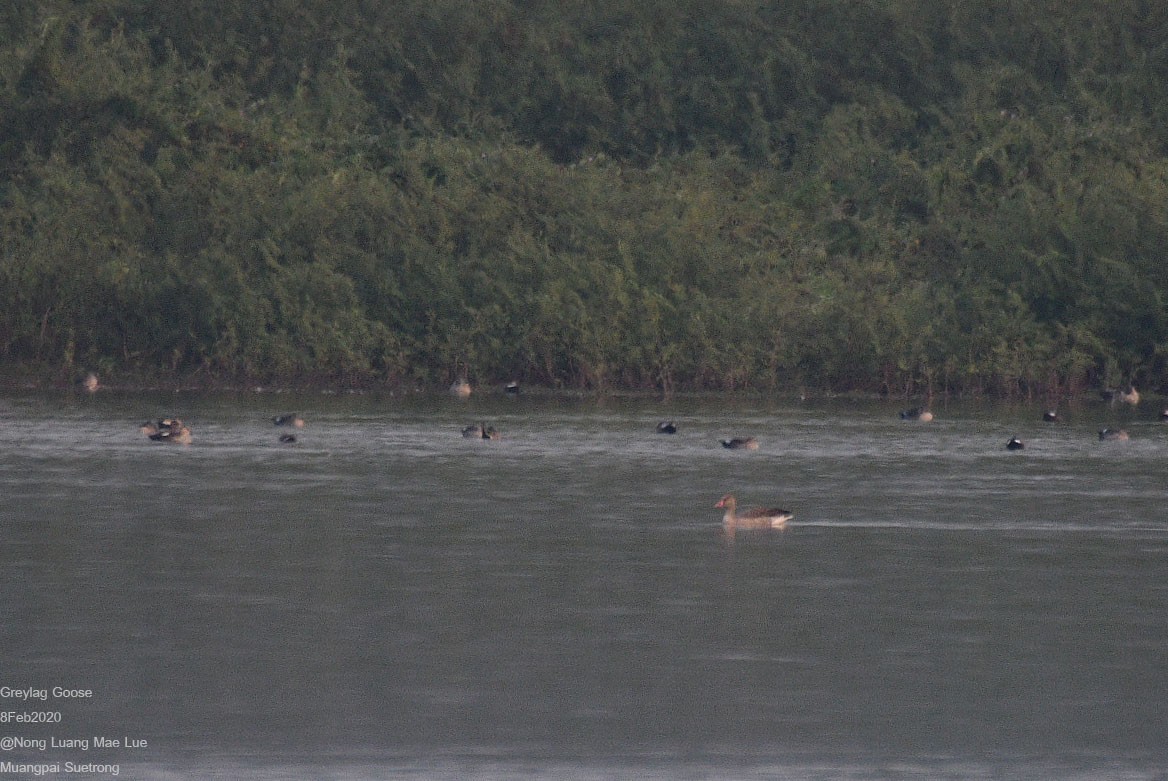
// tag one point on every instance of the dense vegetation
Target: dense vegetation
(872, 195)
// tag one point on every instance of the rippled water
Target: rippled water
(385, 599)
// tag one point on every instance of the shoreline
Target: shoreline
(34, 383)
(50, 379)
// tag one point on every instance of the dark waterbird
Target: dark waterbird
(291, 419)
(169, 430)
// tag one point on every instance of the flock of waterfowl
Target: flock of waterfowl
(732, 519)
(1128, 395)
(174, 431)
(777, 518)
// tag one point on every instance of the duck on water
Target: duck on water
(169, 430)
(480, 431)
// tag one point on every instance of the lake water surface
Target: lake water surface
(385, 599)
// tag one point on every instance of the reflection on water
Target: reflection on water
(386, 598)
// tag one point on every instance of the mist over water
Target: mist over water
(386, 599)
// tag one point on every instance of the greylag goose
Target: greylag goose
(741, 443)
(754, 518)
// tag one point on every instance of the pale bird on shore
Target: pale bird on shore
(1128, 395)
